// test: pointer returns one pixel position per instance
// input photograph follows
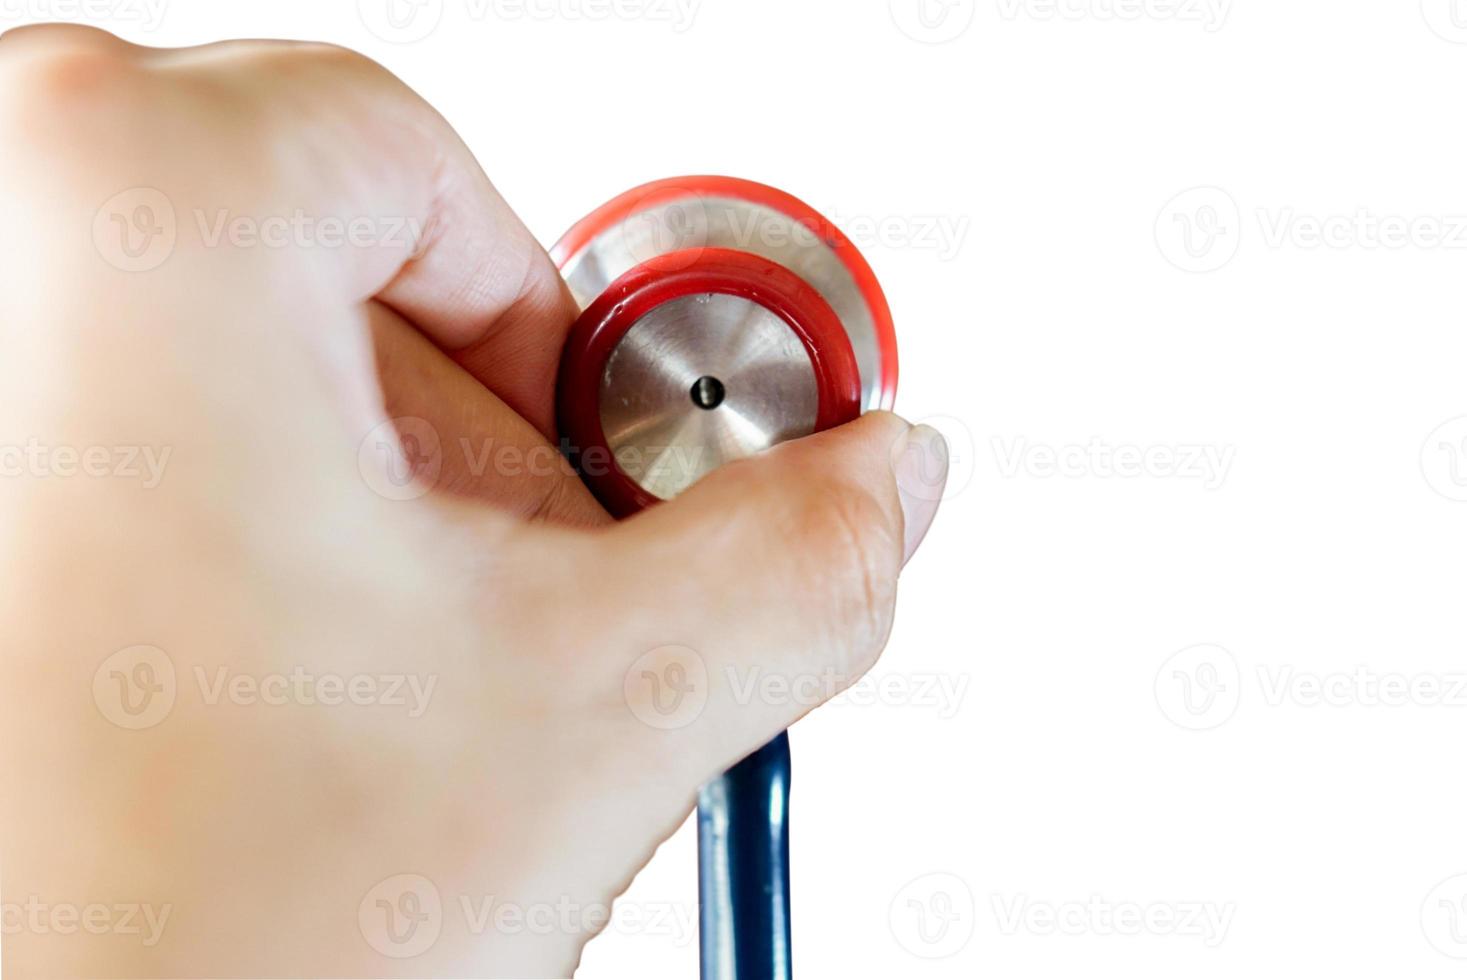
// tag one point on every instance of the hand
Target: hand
(254, 676)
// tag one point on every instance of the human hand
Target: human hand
(278, 540)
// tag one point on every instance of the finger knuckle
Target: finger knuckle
(61, 77)
(864, 560)
(846, 556)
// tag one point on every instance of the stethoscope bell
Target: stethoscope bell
(719, 317)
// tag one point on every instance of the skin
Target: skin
(269, 544)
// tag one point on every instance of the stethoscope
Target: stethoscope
(719, 317)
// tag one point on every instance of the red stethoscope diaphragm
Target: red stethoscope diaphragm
(719, 317)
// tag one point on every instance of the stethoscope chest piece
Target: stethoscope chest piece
(719, 317)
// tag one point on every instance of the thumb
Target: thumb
(769, 586)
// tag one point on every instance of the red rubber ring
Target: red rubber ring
(674, 188)
(703, 270)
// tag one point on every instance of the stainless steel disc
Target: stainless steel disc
(700, 381)
(726, 222)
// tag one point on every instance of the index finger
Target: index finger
(476, 281)
(328, 131)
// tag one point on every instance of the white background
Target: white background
(1065, 311)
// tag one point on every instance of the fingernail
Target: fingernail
(920, 461)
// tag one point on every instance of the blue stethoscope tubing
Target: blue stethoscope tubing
(744, 868)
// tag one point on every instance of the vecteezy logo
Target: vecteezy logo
(1444, 917)
(402, 458)
(135, 688)
(671, 234)
(1198, 688)
(1444, 459)
(400, 21)
(932, 21)
(933, 916)
(1199, 230)
(401, 916)
(939, 478)
(1447, 18)
(136, 229)
(667, 687)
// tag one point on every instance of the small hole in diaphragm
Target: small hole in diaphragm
(707, 392)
